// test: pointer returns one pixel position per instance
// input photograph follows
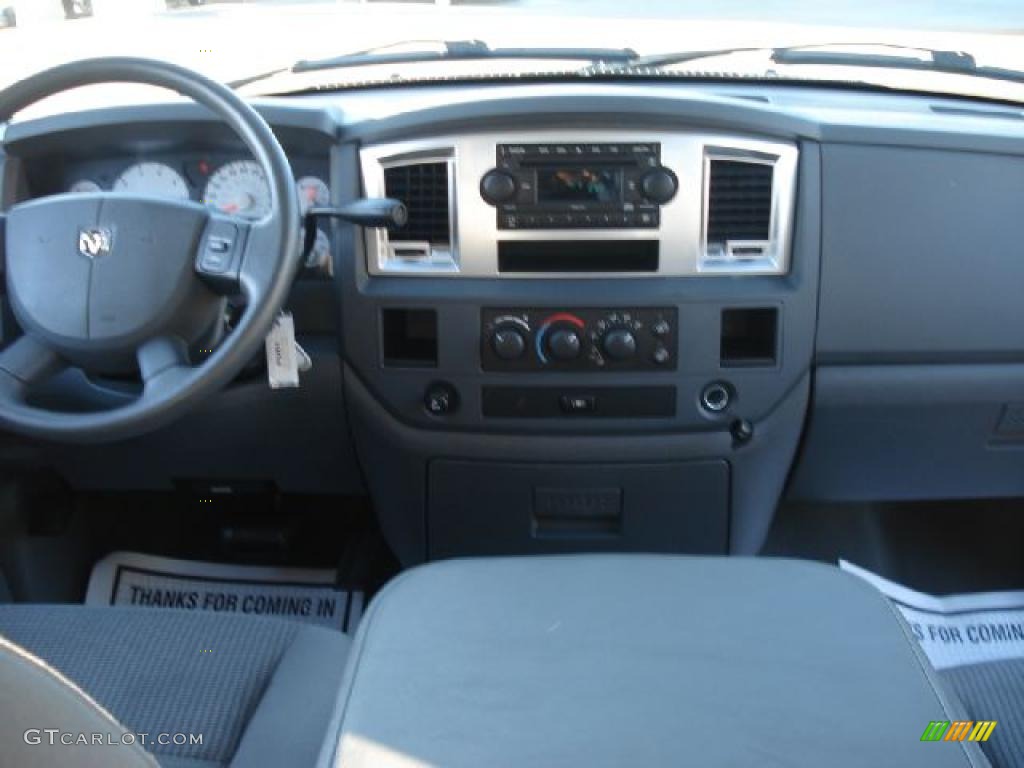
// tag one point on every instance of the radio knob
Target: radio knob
(564, 344)
(619, 344)
(659, 185)
(508, 343)
(497, 186)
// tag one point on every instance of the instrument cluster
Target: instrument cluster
(231, 184)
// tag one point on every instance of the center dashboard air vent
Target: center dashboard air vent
(739, 213)
(424, 244)
(423, 187)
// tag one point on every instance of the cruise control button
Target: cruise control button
(218, 245)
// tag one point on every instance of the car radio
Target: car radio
(574, 186)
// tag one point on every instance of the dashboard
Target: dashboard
(620, 316)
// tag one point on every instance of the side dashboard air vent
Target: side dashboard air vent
(739, 201)
(424, 244)
(739, 213)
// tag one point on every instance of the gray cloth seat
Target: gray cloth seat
(604, 661)
(994, 690)
(259, 690)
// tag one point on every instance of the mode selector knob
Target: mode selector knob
(619, 344)
(564, 344)
(508, 343)
(659, 185)
(498, 186)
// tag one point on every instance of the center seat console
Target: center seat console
(627, 660)
(589, 339)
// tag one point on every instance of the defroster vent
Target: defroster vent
(739, 201)
(423, 187)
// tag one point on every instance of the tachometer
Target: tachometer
(239, 188)
(153, 180)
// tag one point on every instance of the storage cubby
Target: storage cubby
(749, 337)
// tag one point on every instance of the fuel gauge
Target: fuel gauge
(84, 186)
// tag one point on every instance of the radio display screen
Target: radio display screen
(579, 184)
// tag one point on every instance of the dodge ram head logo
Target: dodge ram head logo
(94, 241)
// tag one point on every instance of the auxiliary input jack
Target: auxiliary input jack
(716, 397)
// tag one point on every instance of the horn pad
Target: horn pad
(95, 276)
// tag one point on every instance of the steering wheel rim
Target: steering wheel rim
(265, 265)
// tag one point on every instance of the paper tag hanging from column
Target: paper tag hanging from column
(282, 357)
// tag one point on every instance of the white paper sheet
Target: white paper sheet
(956, 630)
(130, 578)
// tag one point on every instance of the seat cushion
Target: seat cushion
(37, 697)
(239, 681)
(994, 690)
(638, 660)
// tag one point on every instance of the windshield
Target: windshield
(256, 43)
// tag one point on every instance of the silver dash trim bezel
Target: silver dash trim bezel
(682, 232)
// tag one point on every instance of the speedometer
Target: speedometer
(240, 189)
(153, 180)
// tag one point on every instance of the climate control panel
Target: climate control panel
(593, 339)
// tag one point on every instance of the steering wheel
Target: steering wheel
(109, 281)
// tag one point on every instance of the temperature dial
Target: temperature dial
(560, 338)
(564, 344)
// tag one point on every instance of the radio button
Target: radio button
(498, 187)
(659, 185)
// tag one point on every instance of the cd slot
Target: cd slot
(578, 162)
(540, 256)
